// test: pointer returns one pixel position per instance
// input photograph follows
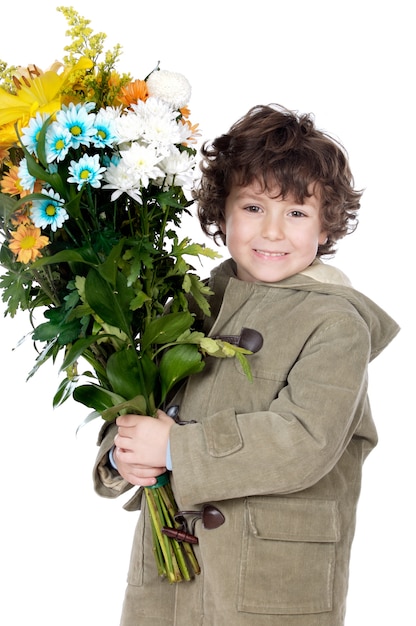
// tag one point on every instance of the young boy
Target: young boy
(279, 457)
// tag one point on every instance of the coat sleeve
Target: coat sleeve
(298, 435)
(107, 481)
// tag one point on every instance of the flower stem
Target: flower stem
(161, 539)
(175, 559)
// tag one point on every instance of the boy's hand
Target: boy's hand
(140, 447)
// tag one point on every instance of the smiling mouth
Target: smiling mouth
(270, 254)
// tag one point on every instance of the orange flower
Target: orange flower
(20, 217)
(4, 154)
(131, 93)
(26, 242)
(185, 112)
(10, 183)
(194, 128)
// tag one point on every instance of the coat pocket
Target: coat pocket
(288, 555)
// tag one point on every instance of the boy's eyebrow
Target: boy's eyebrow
(251, 196)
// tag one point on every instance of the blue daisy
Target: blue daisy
(58, 142)
(27, 181)
(30, 133)
(86, 170)
(49, 212)
(78, 120)
(105, 134)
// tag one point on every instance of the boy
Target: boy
(280, 457)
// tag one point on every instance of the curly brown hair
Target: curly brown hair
(274, 146)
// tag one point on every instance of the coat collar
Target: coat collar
(318, 278)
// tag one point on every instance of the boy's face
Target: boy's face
(270, 238)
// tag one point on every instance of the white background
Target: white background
(64, 551)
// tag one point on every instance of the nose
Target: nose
(272, 227)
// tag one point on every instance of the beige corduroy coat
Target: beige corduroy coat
(281, 457)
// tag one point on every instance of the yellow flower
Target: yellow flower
(27, 242)
(40, 92)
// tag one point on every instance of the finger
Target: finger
(121, 441)
(128, 420)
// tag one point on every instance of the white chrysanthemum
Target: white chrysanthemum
(179, 169)
(129, 127)
(110, 113)
(158, 122)
(155, 107)
(143, 161)
(122, 179)
(171, 87)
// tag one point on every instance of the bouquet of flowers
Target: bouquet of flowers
(95, 169)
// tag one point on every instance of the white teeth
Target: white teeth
(265, 253)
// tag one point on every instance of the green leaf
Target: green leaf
(199, 291)
(245, 365)
(196, 249)
(96, 397)
(65, 391)
(64, 256)
(124, 373)
(108, 269)
(139, 300)
(90, 417)
(111, 305)
(50, 351)
(65, 331)
(41, 141)
(166, 328)
(136, 405)
(178, 363)
(78, 349)
(16, 288)
(7, 206)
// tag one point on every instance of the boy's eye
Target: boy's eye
(297, 213)
(252, 208)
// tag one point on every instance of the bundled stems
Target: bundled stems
(175, 559)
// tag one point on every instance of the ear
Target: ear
(323, 238)
(222, 226)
